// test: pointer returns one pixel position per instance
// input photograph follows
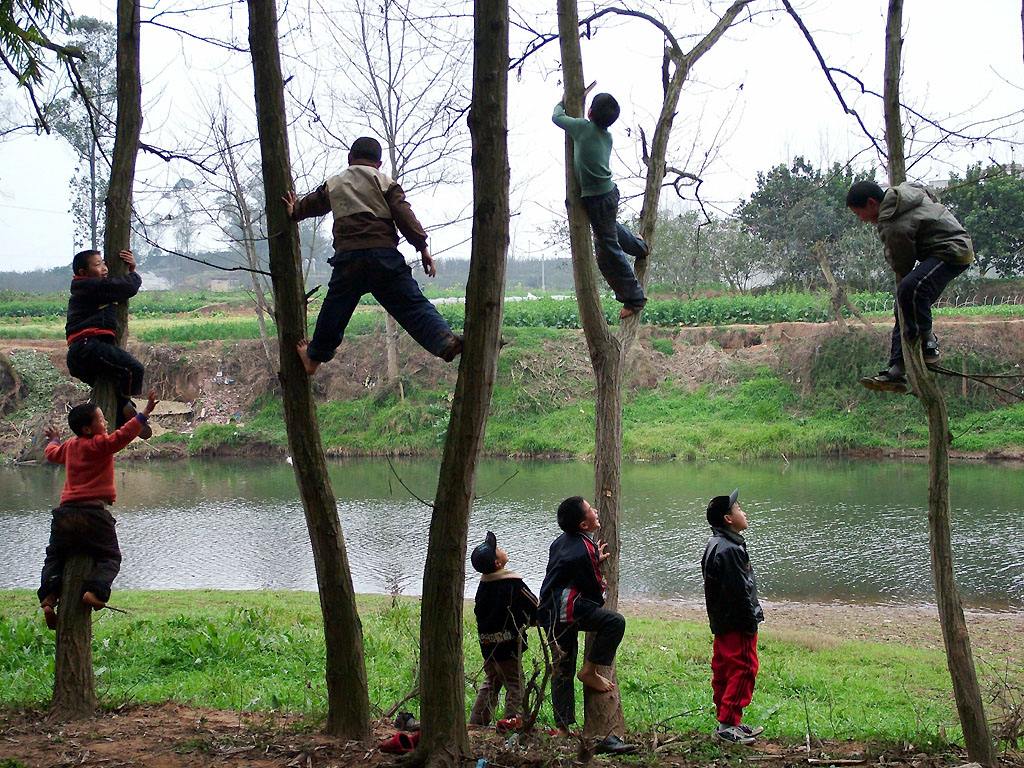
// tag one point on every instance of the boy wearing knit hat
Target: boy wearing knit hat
(730, 591)
(505, 607)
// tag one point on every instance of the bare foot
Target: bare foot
(89, 599)
(307, 363)
(50, 614)
(591, 679)
(628, 312)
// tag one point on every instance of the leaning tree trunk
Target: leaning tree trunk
(443, 739)
(348, 704)
(74, 690)
(959, 656)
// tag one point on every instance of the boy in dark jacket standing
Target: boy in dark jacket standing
(571, 601)
(91, 329)
(370, 209)
(730, 591)
(505, 608)
(591, 159)
(926, 247)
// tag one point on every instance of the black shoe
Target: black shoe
(733, 734)
(931, 350)
(891, 380)
(646, 249)
(613, 745)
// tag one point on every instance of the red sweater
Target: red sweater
(90, 462)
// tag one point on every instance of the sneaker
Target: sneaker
(733, 734)
(890, 380)
(751, 731)
(931, 350)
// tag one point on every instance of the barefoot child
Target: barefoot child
(571, 601)
(926, 247)
(82, 523)
(91, 330)
(730, 591)
(368, 206)
(591, 158)
(505, 607)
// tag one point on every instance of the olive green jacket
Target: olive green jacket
(913, 225)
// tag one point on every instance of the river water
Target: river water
(820, 530)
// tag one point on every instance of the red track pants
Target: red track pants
(733, 669)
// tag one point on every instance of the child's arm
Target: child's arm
(316, 203)
(55, 451)
(525, 603)
(734, 564)
(900, 247)
(130, 429)
(108, 289)
(407, 223)
(571, 125)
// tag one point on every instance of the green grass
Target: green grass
(264, 650)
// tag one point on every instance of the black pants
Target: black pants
(608, 627)
(98, 357)
(383, 273)
(915, 295)
(88, 530)
(612, 241)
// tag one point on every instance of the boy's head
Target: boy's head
(725, 512)
(604, 110)
(575, 515)
(87, 420)
(489, 557)
(365, 151)
(863, 199)
(89, 264)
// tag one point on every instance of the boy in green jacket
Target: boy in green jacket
(926, 247)
(591, 156)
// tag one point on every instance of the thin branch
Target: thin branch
(407, 488)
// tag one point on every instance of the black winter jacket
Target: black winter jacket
(730, 587)
(573, 573)
(93, 302)
(505, 608)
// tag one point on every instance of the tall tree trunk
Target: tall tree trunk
(959, 656)
(93, 233)
(393, 373)
(73, 670)
(74, 687)
(348, 705)
(442, 678)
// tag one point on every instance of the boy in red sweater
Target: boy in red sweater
(82, 522)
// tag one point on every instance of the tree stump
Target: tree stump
(74, 687)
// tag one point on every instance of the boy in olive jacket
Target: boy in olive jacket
(926, 247)
(730, 591)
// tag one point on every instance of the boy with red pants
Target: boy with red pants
(730, 591)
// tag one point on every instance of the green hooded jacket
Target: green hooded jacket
(913, 225)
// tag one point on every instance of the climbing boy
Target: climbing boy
(91, 329)
(82, 523)
(730, 591)
(572, 601)
(591, 159)
(369, 210)
(926, 247)
(505, 607)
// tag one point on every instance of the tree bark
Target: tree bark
(74, 687)
(347, 697)
(955, 636)
(443, 739)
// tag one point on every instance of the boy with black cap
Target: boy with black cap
(504, 608)
(730, 591)
(370, 209)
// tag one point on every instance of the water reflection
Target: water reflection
(820, 530)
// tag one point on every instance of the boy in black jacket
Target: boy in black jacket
(505, 607)
(730, 591)
(91, 329)
(571, 601)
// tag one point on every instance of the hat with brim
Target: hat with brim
(485, 555)
(720, 506)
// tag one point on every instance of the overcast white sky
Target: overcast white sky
(760, 91)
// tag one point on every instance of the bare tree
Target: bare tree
(608, 349)
(955, 636)
(348, 706)
(444, 741)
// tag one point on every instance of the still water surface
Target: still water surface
(821, 530)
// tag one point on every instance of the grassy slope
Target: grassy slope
(264, 650)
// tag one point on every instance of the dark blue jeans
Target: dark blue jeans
(915, 294)
(97, 357)
(383, 273)
(81, 529)
(612, 242)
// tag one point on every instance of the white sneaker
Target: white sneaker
(733, 734)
